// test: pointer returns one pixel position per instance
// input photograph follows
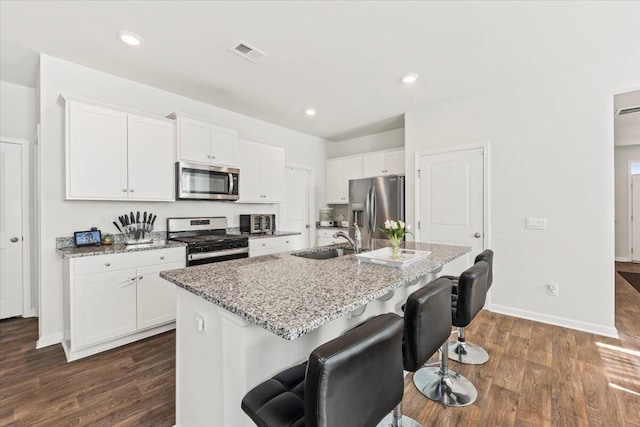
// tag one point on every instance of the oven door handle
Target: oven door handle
(217, 254)
(230, 183)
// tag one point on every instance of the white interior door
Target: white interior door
(451, 202)
(10, 230)
(635, 215)
(295, 209)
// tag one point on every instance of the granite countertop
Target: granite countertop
(291, 296)
(73, 252)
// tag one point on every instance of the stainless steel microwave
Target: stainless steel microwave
(196, 181)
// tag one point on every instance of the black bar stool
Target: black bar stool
(463, 313)
(427, 327)
(351, 381)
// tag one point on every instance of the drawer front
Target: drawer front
(323, 241)
(330, 232)
(268, 243)
(326, 233)
(114, 262)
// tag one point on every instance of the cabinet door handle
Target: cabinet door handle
(140, 277)
(213, 157)
(131, 191)
(124, 190)
(107, 264)
(264, 244)
(162, 257)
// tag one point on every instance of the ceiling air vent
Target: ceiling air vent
(628, 110)
(248, 52)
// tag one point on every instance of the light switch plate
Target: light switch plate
(537, 223)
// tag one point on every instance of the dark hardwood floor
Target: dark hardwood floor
(538, 375)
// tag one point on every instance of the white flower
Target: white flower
(408, 227)
(394, 225)
(401, 224)
(387, 224)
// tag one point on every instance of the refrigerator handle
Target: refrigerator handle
(367, 208)
(374, 210)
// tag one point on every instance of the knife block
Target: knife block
(136, 234)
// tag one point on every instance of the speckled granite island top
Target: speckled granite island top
(291, 296)
(84, 251)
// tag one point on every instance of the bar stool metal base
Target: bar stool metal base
(389, 420)
(451, 389)
(467, 353)
(396, 419)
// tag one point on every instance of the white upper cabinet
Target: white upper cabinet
(96, 152)
(205, 143)
(339, 172)
(261, 172)
(383, 163)
(194, 140)
(114, 155)
(150, 145)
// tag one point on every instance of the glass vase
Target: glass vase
(395, 248)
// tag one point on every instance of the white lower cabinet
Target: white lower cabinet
(156, 298)
(115, 299)
(270, 245)
(104, 307)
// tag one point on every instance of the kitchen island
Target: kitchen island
(242, 321)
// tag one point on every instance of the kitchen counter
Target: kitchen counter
(291, 296)
(74, 252)
(240, 322)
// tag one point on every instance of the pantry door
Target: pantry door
(11, 280)
(295, 210)
(450, 189)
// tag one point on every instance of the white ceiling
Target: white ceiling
(343, 58)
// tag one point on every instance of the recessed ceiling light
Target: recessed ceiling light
(130, 38)
(410, 78)
(310, 112)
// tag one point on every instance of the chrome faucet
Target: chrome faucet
(356, 244)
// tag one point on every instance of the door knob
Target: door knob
(14, 239)
(477, 235)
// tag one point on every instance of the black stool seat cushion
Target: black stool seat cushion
(427, 319)
(486, 256)
(472, 292)
(351, 381)
(278, 401)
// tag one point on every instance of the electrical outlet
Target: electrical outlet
(552, 289)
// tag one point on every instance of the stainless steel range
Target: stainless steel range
(207, 239)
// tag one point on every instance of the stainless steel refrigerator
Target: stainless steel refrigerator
(372, 201)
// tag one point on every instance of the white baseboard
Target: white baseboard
(623, 259)
(48, 340)
(593, 328)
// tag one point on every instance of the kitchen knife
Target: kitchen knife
(138, 217)
(154, 219)
(133, 218)
(118, 227)
(125, 219)
(122, 221)
(144, 218)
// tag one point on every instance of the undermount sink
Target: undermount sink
(325, 254)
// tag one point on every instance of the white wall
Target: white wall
(17, 111)
(61, 218)
(366, 144)
(622, 156)
(552, 157)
